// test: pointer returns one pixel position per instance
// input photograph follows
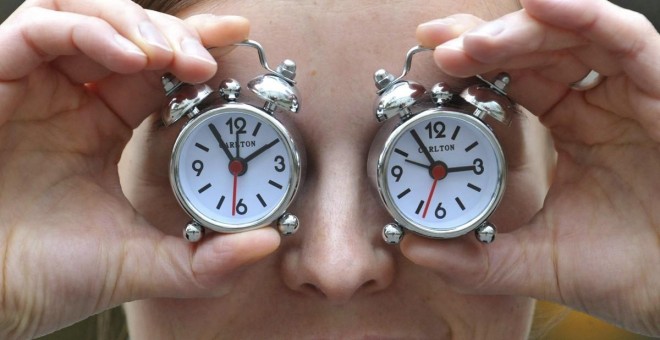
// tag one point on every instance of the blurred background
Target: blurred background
(556, 322)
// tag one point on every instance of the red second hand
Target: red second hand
(428, 201)
(439, 172)
(235, 167)
(233, 201)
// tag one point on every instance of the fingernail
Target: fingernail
(454, 45)
(153, 36)
(128, 45)
(194, 48)
(490, 29)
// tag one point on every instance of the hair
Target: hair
(166, 6)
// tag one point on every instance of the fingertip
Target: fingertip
(153, 42)
(220, 31)
(414, 248)
(452, 59)
(195, 64)
(436, 32)
(225, 253)
(136, 59)
(441, 255)
(240, 25)
(198, 63)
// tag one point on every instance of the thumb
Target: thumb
(169, 266)
(517, 263)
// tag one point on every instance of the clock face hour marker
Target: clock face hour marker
(403, 193)
(202, 147)
(204, 188)
(275, 184)
(474, 187)
(460, 203)
(455, 134)
(261, 200)
(472, 146)
(256, 129)
(222, 200)
(419, 207)
(401, 152)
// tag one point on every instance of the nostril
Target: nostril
(311, 289)
(369, 286)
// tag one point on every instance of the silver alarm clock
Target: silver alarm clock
(439, 168)
(236, 166)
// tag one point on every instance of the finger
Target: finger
(41, 35)
(172, 267)
(136, 96)
(219, 31)
(517, 263)
(436, 32)
(192, 62)
(515, 41)
(548, 57)
(517, 35)
(131, 21)
(626, 34)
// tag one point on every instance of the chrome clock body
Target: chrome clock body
(439, 169)
(236, 166)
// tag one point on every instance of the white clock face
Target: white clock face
(233, 169)
(443, 174)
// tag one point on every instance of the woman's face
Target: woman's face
(335, 278)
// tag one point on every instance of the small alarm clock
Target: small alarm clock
(439, 168)
(235, 165)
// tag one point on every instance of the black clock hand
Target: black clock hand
(455, 169)
(260, 150)
(418, 164)
(422, 146)
(217, 136)
(238, 148)
(462, 168)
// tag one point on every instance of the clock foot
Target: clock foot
(193, 232)
(392, 233)
(288, 224)
(486, 232)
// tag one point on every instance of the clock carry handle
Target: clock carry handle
(277, 88)
(397, 96)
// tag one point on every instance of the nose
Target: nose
(338, 253)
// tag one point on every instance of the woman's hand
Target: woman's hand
(75, 78)
(595, 245)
